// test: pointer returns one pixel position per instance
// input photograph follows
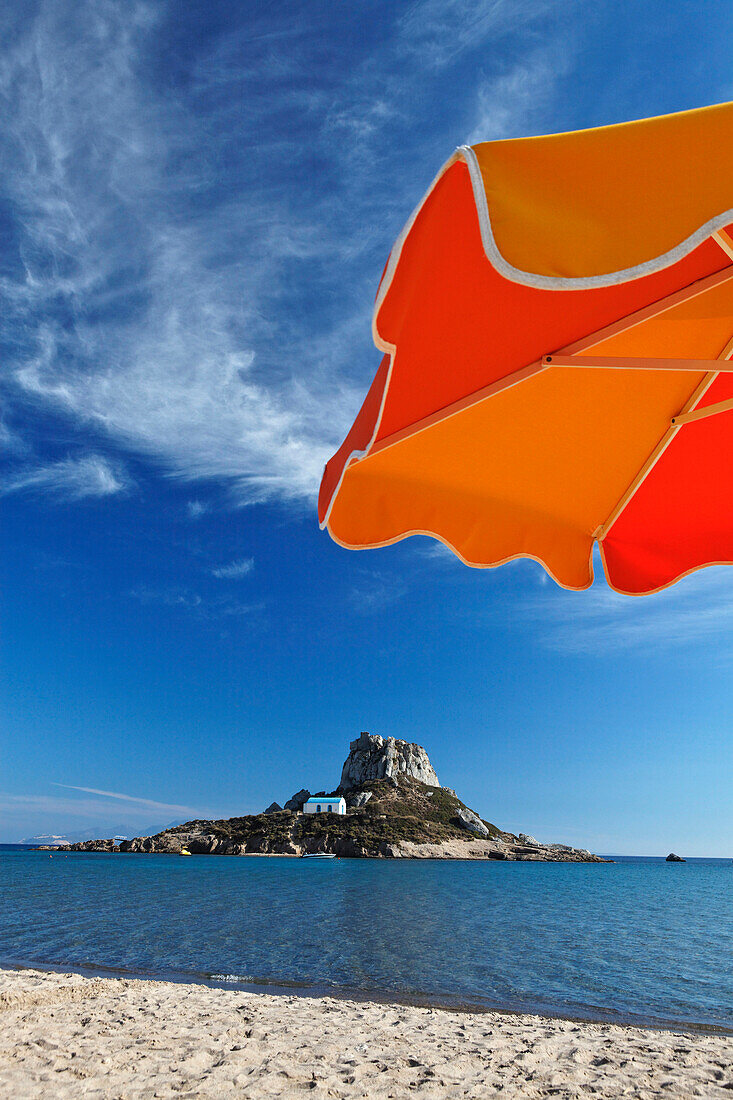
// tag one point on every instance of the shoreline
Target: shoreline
(408, 853)
(590, 1015)
(65, 1035)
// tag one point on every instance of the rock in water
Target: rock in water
(372, 757)
(298, 801)
(467, 819)
(672, 858)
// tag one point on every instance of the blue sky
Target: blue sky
(196, 204)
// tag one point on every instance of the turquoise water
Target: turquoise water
(634, 939)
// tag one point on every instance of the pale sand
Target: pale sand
(63, 1035)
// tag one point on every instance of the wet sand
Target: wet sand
(65, 1035)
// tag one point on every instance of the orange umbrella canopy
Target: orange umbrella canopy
(557, 323)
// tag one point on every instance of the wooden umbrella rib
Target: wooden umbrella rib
(701, 414)
(701, 286)
(636, 362)
(723, 238)
(687, 414)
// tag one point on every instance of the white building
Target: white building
(325, 805)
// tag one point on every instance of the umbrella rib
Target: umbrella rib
(585, 343)
(687, 414)
(723, 238)
(638, 362)
(701, 414)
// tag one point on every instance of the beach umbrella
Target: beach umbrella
(556, 319)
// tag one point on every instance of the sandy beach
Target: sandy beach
(65, 1035)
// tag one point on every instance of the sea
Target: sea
(634, 941)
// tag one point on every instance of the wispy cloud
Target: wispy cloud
(169, 597)
(167, 807)
(234, 570)
(143, 284)
(432, 550)
(196, 509)
(376, 590)
(437, 31)
(70, 478)
(509, 104)
(87, 812)
(201, 607)
(97, 809)
(698, 609)
(184, 283)
(11, 442)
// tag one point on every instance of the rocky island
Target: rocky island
(396, 809)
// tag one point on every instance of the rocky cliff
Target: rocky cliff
(396, 809)
(372, 757)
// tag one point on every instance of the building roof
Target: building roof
(326, 798)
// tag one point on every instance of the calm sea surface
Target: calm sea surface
(635, 939)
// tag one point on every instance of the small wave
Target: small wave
(231, 978)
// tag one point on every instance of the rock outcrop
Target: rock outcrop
(298, 801)
(672, 858)
(373, 757)
(355, 799)
(274, 808)
(471, 821)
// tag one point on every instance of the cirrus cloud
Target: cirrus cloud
(70, 478)
(181, 281)
(234, 570)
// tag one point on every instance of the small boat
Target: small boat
(318, 855)
(185, 852)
